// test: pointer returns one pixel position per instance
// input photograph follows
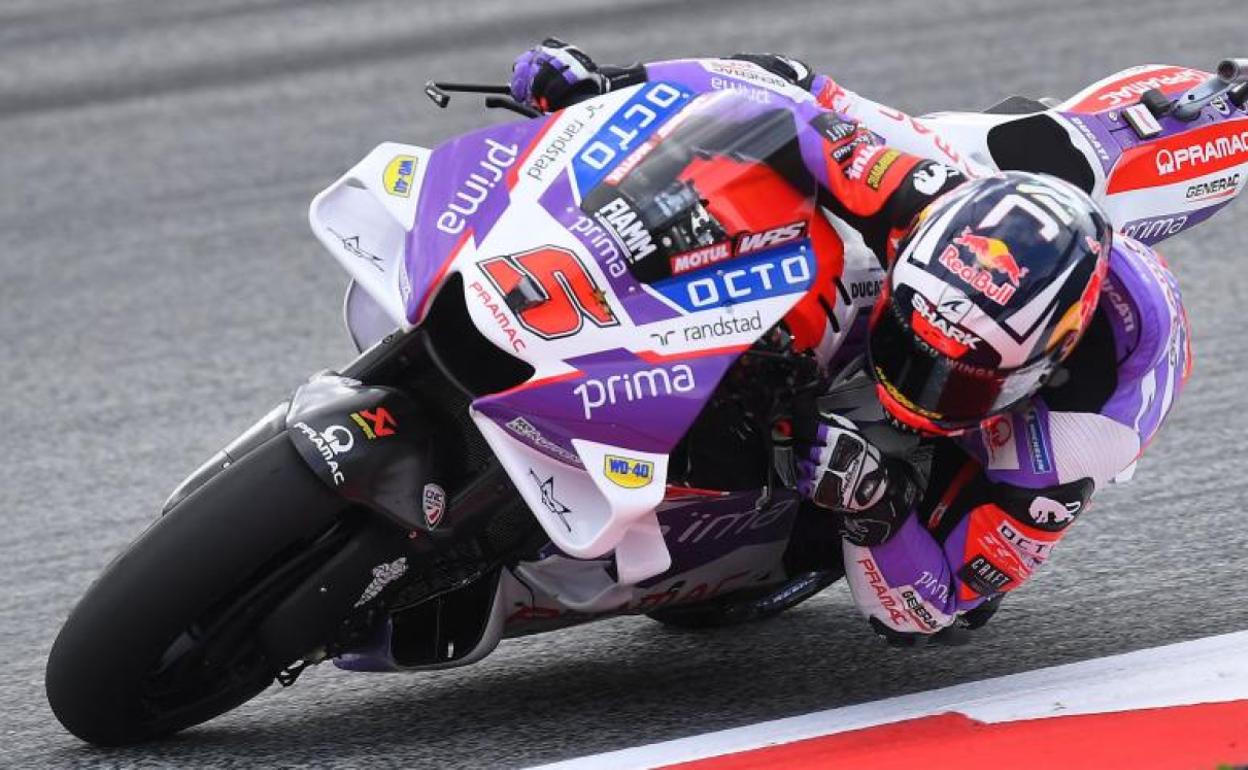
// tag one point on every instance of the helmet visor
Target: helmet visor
(940, 389)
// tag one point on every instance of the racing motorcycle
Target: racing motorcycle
(544, 429)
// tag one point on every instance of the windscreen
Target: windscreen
(722, 179)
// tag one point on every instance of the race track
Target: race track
(159, 289)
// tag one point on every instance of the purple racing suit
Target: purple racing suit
(1001, 496)
(998, 504)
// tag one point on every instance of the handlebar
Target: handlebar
(440, 94)
(1233, 71)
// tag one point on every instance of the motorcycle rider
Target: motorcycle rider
(1036, 350)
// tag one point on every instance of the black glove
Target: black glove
(840, 470)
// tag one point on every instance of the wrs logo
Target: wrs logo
(375, 423)
(752, 242)
(627, 472)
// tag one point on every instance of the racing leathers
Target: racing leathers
(996, 499)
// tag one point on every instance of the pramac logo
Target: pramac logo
(1196, 153)
(1170, 161)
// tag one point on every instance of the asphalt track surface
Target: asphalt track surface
(159, 289)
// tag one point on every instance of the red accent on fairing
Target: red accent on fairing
(1112, 95)
(1139, 167)
(675, 492)
(655, 357)
(752, 197)
(551, 380)
(514, 172)
(432, 290)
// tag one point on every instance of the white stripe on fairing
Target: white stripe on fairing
(1209, 670)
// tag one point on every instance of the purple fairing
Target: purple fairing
(702, 530)
(1098, 131)
(616, 398)
(1154, 230)
(641, 307)
(466, 191)
(1110, 135)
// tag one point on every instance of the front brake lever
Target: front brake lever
(440, 94)
(507, 103)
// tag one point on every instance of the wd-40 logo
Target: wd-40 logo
(629, 127)
(786, 270)
(398, 175)
(627, 472)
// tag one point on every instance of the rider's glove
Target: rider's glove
(841, 471)
(554, 75)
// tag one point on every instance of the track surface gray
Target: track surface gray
(159, 288)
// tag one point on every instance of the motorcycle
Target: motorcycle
(541, 432)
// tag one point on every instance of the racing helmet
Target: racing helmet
(991, 291)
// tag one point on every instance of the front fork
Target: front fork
(410, 540)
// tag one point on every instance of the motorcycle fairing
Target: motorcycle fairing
(363, 219)
(1147, 193)
(617, 380)
(1124, 88)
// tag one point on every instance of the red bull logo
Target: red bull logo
(992, 254)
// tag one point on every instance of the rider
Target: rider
(1037, 349)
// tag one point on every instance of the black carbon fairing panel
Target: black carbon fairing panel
(1038, 143)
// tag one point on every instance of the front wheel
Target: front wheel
(165, 638)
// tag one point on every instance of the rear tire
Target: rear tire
(164, 639)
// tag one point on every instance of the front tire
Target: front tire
(164, 638)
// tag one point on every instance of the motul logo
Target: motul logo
(752, 242)
(699, 258)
